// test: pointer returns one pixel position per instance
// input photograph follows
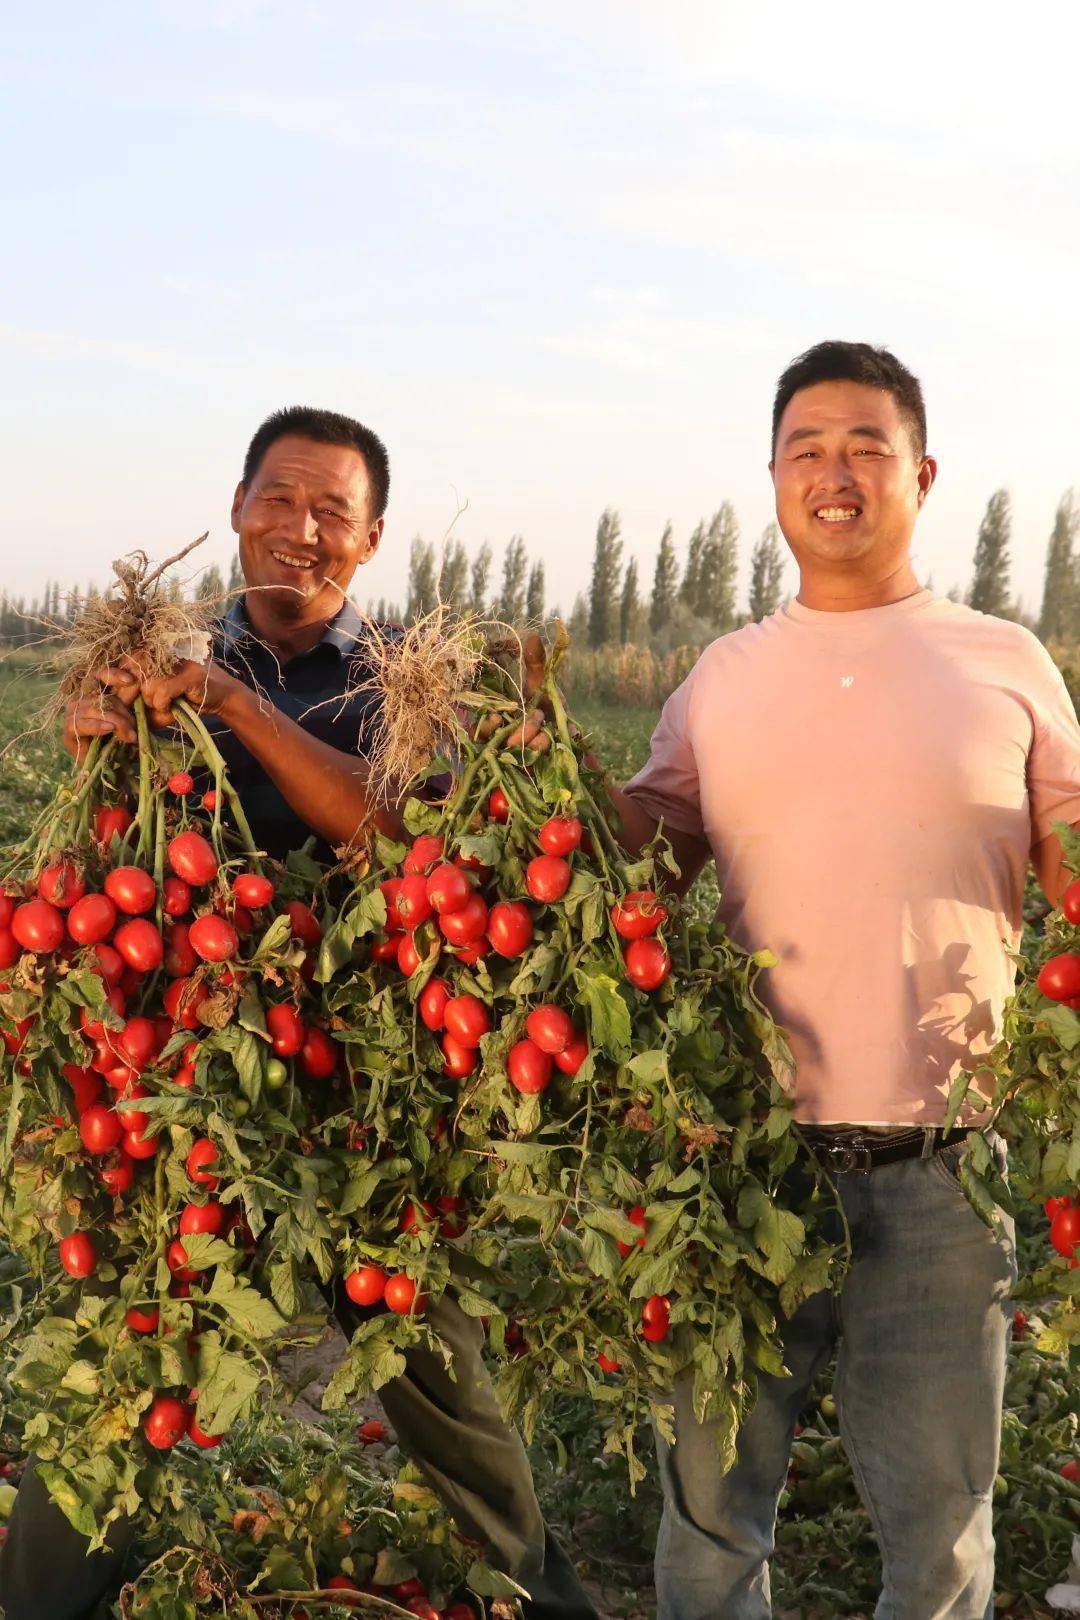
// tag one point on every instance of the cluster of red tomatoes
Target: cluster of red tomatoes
(411, 1595)
(113, 928)
(1059, 978)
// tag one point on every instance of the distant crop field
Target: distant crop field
(30, 758)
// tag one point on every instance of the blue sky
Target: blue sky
(556, 257)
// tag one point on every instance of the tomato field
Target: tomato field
(328, 1470)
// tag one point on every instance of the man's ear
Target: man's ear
(374, 535)
(927, 475)
(237, 503)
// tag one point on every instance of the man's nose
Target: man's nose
(835, 473)
(300, 526)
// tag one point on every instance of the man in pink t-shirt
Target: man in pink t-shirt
(872, 768)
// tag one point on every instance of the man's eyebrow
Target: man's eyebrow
(867, 431)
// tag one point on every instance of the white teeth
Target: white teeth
(837, 514)
(293, 562)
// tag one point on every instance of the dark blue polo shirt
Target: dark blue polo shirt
(316, 689)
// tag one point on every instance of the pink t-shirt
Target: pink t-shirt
(871, 784)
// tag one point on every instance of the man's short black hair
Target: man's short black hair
(325, 427)
(836, 361)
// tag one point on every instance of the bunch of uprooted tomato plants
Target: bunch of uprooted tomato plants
(492, 1061)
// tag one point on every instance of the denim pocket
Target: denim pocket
(947, 1163)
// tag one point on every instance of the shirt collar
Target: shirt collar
(343, 633)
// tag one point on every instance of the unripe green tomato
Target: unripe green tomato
(1001, 1487)
(827, 1406)
(276, 1074)
(241, 1108)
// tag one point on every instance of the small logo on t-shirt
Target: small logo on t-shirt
(847, 680)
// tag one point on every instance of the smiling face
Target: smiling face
(849, 482)
(305, 526)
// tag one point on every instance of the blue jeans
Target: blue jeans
(920, 1326)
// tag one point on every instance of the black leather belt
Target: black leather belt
(854, 1151)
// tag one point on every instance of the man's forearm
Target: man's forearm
(327, 789)
(638, 828)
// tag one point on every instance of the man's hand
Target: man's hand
(108, 711)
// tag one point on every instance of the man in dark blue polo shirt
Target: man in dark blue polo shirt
(278, 693)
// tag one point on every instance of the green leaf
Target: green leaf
(601, 1255)
(488, 1582)
(808, 1276)
(228, 1394)
(275, 938)
(251, 1312)
(1063, 1023)
(608, 1013)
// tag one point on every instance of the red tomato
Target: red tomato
(166, 1422)
(85, 1085)
(647, 963)
(411, 904)
(177, 895)
(401, 1296)
(179, 959)
(109, 965)
(1070, 902)
(342, 1583)
(498, 807)
(1064, 1231)
(213, 938)
(366, 1285)
(459, 1611)
(177, 992)
(423, 1609)
(7, 907)
(570, 1060)
(426, 850)
(547, 878)
(193, 859)
(10, 949)
(285, 1028)
(607, 1363)
(78, 1255)
(111, 821)
(138, 1042)
(203, 1153)
(372, 1432)
(252, 889)
(118, 1176)
(181, 783)
(560, 835)
(467, 1020)
(637, 1217)
(37, 926)
(61, 884)
(1052, 1205)
(176, 1258)
(141, 1320)
(210, 800)
(637, 914)
(303, 922)
(91, 919)
(140, 944)
(385, 950)
(137, 1146)
(529, 1068)
(100, 1129)
(94, 1028)
(432, 1002)
(1059, 978)
(130, 889)
(656, 1318)
(416, 1217)
(448, 889)
(408, 957)
(205, 1441)
(241, 918)
(133, 1119)
(458, 1060)
(319, 1054)
(470, 954)
(472, 863)
(550, 1028)
(510, 928)
(454, 1217)
(464, 926)
(1070, 1471)
(208, 1218)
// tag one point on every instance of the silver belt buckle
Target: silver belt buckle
(847, 1156)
